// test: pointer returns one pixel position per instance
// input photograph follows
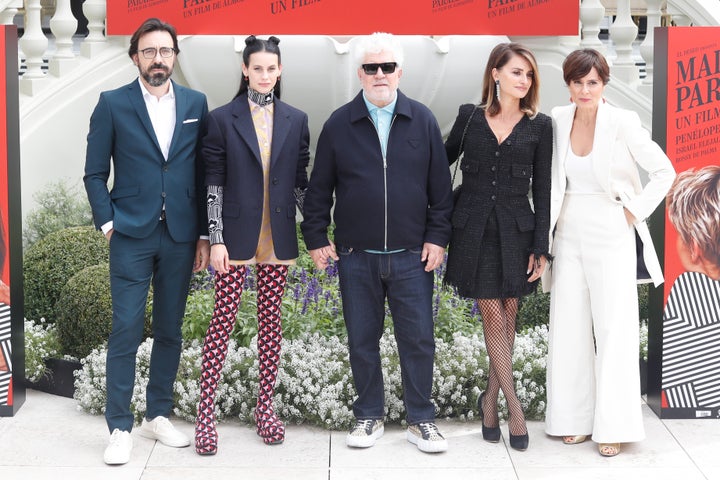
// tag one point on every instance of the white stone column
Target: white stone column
(33, 45)
(95, 11)
(63, 25)
(591, 15)
(679, 18)
(8, 14)
(647, 47)
(623, 33)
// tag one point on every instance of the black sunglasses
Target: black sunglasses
(372, 68)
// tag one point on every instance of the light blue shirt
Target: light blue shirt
(382, 118)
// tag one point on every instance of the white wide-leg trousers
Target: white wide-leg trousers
(593, 379)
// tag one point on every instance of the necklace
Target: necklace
(261, 99)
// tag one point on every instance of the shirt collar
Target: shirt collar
(389, 108)
(170, 94)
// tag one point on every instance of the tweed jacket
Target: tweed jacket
(498, 178)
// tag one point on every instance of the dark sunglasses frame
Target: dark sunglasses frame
(386, 67)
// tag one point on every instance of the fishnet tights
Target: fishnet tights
(498, 316)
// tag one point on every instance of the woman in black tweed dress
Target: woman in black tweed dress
(499, 244)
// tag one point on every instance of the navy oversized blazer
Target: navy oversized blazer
(231, 154)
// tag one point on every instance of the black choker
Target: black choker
(261, 99)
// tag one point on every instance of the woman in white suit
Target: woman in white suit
(597, 205)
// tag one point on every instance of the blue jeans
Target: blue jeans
(366, 280)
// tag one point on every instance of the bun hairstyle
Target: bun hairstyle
(255, 45)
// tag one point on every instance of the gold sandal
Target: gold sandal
(574, 439)
(609, 449)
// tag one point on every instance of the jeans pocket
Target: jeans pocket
(343, 251)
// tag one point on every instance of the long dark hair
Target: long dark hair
(500, 55)
(254, 45)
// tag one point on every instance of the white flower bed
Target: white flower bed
(315, 382)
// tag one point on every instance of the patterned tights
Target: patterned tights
(271, 281)
(498, 317)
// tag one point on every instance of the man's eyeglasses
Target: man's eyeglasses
(372, 68)
(150, 53)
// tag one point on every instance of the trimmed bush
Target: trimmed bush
(60, 205)
(49, 263)
(534, 310)
(84, 311)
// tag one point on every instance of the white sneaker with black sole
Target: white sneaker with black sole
(427, 437)
(364, 433)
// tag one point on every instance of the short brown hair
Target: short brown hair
(693, 206)
(500, 55)
(152, 25)
(580, 62)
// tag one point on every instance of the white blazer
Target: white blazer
(619, 146)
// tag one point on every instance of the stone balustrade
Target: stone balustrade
(618, 41)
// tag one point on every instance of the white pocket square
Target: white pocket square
(190, 120)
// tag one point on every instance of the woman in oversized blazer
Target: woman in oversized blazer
(597, 205)
(256, 155)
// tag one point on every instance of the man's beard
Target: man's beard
(158, 78)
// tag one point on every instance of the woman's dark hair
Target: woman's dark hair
(580, 62)
(152, 25)
(499, 56)
(254, 45)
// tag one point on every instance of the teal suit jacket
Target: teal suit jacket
(122, 137)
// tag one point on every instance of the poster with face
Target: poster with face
(12, 393)
(687, 342)
(5, 323)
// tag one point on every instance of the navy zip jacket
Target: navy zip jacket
(398, 202)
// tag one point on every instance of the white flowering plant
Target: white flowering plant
(644, 340)
(315, 382)
(41, 342)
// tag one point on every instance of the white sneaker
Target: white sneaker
(427, 437)
(118, 451)
(160, 429)
(364, 433)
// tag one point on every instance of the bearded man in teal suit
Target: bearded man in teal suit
(155, 219)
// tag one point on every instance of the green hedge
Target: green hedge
(84, 311)
(49, 263)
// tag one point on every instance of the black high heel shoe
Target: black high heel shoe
(490, 434)
(519, 442)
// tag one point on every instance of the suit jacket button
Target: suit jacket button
(164, 194)
(165, 168)
(278, 209)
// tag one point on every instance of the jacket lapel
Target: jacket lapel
(281, 128)
(563, 117)
(605, 133)
(244, 125)
(181, 110)
(138, 103)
